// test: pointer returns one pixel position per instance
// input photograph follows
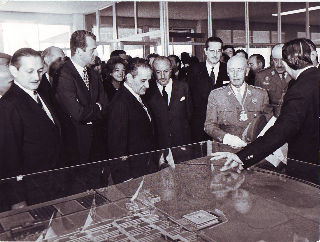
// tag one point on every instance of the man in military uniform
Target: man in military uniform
(234, 108)
(274, 79)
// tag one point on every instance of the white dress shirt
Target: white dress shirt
(168, 89)
(34, 97)
(215, 69)
(242, 89)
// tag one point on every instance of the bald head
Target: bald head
(52, 54)
(276, 55)
(237, 69)
(5, 79)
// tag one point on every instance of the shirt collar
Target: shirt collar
(78, 67)
(30, 92)
(302, 70)
(215, 67)
(133, 92)
(168, 86)
(242, 88)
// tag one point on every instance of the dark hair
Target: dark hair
(152, 55)
(213, 39)
(117, 53)
(296, 53)
(162, 58)
(134, 64)
(229, 47)
(111, 63)
(15, 59)
(242, 51)
(79, 40)
(260, 59)
(176, 58)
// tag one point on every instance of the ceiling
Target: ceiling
(258, 11)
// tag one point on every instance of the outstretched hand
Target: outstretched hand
(232, 161)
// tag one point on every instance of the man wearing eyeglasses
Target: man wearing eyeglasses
(274, 79)
(232, 110)
(202, 78)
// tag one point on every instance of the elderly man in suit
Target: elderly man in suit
(130, 129)
(30, 132)
(274, 79)
(170, 105)
(6, 79)
(234, 108)
(298, 121)
(203, 78)
(80, 93)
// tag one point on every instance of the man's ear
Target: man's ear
(129, 78)
(13, 70)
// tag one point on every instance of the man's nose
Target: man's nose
(146, 84)
(37, 75)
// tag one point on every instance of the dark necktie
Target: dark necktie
(35, 93)
(212, 76)
(86, 77)
(165, 94)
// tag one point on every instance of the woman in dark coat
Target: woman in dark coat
(113, 75)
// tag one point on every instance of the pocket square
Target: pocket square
(183, 98)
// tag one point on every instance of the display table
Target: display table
(192, 202)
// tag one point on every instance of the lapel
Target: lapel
(249, 97)
(93, 82)
(174, 94)
(79, 81)
(233, 101)
(35, 107)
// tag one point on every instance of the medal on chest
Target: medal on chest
(243, 116)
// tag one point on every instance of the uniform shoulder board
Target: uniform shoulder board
(259, 88)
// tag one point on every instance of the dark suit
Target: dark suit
(172, 123)
(29, 142)
(129, 132)
(200, 87)
(45, 88)
(79, 104)
(297, 124)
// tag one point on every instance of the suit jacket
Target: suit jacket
(223, 112)
(29, 140)
(200, 87)
(129, 132)
(79, 104)
(297, 124)
(172, 123)
(270, 80)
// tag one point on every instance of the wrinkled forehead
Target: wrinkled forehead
(277, 52)
(237, 62)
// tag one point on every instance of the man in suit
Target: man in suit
(30, 133)
(130, 129)
(49, 56)
(203, 78)
(233, 109)
(298, 121)
(80, 93)
(256, 63)
(274, 79)
(5, 79)
(170, 106)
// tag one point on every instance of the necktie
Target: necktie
(165, 94)
(212, 76)
(145, 108)
(86, 77)
(35, 93)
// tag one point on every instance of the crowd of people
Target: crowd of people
(58, 111)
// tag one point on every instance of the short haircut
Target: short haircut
(260, 59)
(134, 64)
(213, 39)
(297, 54)
(176, 58)
(161, 58)
(111, 63)
(311, 44)
(79, 40)
(242, 51)
(229, 47)
(117, 53)
(152, 55)
(15, 60)
(5, 56)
